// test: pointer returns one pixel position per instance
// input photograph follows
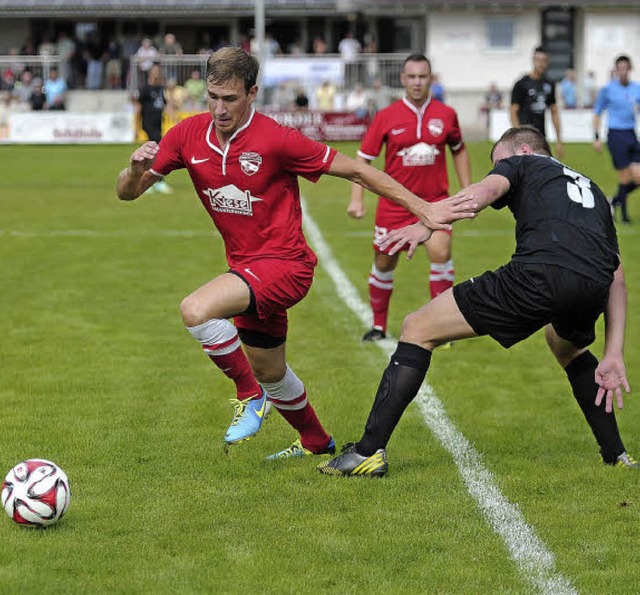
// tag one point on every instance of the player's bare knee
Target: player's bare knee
(192, 312)
(416, 330)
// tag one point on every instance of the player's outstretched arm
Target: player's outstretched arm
(135, 179)
(485, 192)
(433, 215)
(611, 375)
(410, 235)
(356, 207)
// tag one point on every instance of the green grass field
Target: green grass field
(99, 375)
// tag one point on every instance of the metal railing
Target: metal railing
(40, 66)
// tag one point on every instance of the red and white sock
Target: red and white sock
(289, 397)
(441, 277)
(220, 341)
(380, 290)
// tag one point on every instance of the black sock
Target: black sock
(581, 374)
(399, 385)
(620, 199)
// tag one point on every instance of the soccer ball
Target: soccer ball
(36, 492)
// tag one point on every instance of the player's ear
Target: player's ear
(253, 93)
(525, 149)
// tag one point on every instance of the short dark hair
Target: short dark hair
(524, 135)
(623, 58)
(417, 58)
(539, 49)
(231, 62)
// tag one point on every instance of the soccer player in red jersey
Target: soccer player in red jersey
(244, 167)
(416, 131)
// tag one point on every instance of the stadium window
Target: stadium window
(500, 34)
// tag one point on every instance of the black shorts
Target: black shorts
(624, 147)
(518, 299)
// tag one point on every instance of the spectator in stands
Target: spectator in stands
(38, 99)
(325, 96)
(66, 49)
(281, 97)
(380, 96)
(55, 88)
(370, 49)
(295, 48)
(590, 89)
(24, 88)
(272, 47)
(8, 81)
(493, 97)
(437, 88)
(568, 89)
(146, 54)
(492, 101)
(176, 97)
(16, 64)
(301, 101)
(47, 47)
(113, 66)
(349, 48)
(357, 101)
(29, 48)
(196, 89)
(319, 46)
(172, 48)
(93, 56)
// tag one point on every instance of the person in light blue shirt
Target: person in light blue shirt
(55, 88)
(568, 90)
(620, 98)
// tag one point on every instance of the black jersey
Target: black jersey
(562, 217)
(533, 96)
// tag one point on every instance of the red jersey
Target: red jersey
(250, 189)
(415, 145)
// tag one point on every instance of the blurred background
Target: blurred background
(319, 57)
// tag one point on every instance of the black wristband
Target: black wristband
(597, 136)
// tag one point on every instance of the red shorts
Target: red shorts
(276, 285)
(390, 215)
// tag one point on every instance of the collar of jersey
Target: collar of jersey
(418, 112)
(226, 148)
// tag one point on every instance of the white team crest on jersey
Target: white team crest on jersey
(250, 163)
(417, 155)
(230, 199)
(435, 126)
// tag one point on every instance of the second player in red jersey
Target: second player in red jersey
(416, 131)
(244, 168)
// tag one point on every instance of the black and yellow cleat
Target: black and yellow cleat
(350, 463)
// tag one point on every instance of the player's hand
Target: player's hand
(597, 145)
(611, 378)
(439, 215)
(143, 157)
(559, 150)
(356, 209)
(396, 239)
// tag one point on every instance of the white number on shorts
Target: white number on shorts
(580, 189)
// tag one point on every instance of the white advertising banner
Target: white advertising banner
(70, 128)
(310, 70)
(576, 125)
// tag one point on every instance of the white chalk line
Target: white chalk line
(534, 560)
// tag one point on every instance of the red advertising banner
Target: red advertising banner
(323, 126)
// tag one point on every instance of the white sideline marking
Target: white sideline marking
(535, 561)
